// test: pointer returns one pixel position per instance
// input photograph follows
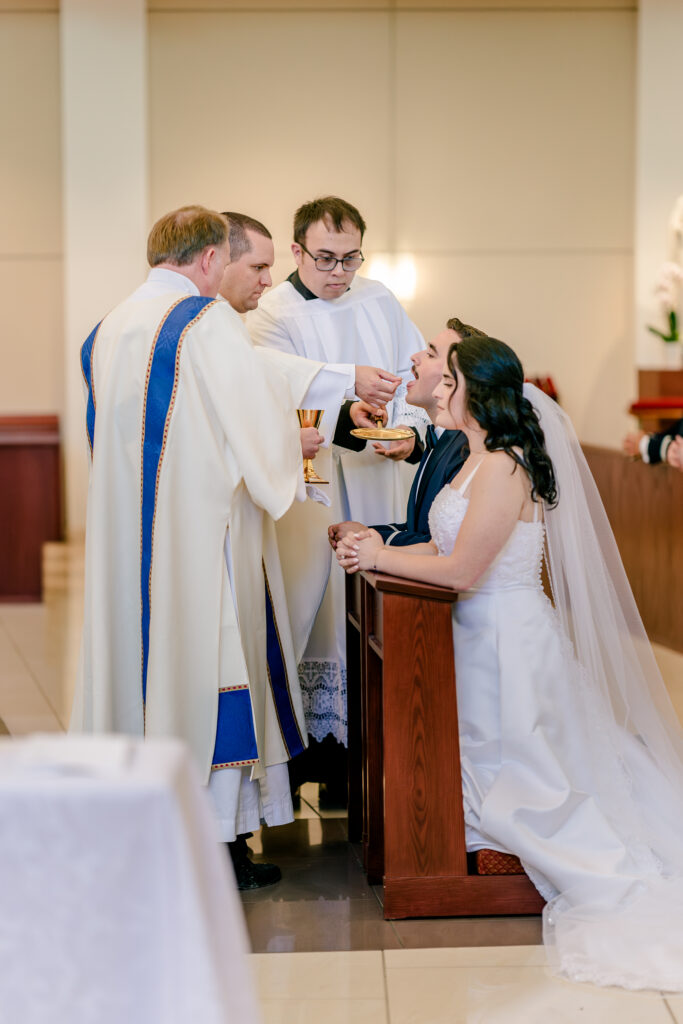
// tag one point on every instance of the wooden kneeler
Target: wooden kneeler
(404, 758)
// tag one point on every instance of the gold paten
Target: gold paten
(383, 433)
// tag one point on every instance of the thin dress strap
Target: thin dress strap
(463, 486)
(536, 504)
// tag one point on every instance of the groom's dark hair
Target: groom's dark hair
(464, 330)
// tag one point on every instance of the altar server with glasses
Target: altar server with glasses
(325, 312)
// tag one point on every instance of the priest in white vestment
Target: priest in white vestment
(195, 451)
(323, 311)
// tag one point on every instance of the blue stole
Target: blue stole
(86, 370)
(235, 736)
(159, 401)
(279, 682)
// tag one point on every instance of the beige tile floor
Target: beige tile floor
(486, 985)
(323, 951)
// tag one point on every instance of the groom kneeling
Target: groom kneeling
(445, 450)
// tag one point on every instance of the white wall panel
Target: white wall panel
(286, 6)
(659, 164)
(261, 112)
(507, 5)
(31, 339)
(104, 132)
(516, 130)
(30, 169)
(565, 314)
(497, 144)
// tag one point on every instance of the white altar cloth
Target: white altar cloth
(117, 902)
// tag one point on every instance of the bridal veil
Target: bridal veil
(629, 933)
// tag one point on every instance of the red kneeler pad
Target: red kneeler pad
(493, 862)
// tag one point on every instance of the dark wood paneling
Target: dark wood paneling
(423, 820)
(644, 505)
(372, 737)
(30, 501)
(462, 896)
(354, 712)
(656, 383)
(659, 384)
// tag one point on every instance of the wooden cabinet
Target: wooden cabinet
(658, 388)
(643, 504)
(30, 501)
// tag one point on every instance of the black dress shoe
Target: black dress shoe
(248, 874)
(333, 795)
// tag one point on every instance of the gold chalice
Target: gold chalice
(311, 418)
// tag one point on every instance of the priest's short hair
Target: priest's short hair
(240, 223)
(178, 236)
(335, 212)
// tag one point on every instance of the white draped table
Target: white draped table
(117, 903)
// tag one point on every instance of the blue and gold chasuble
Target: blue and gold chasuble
(236, 743)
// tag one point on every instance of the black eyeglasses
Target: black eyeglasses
(330, 262)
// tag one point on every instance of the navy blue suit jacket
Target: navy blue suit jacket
(437, 468)
(654, 446)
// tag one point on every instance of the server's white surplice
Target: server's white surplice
(365, 326)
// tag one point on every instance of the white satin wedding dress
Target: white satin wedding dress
(549, 775)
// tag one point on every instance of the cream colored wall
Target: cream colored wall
(659, 165)
(106, 218)
(516, 191)
(31, 330)
(497, 146)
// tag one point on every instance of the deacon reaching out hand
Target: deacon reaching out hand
(325, 311)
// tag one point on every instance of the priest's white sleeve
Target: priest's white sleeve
(332, 384)
(328, 390)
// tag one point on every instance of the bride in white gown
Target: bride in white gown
(571, 751)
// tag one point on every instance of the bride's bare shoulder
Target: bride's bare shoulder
(499, 466)
(500, 461)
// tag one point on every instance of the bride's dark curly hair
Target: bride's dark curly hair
(494, 378)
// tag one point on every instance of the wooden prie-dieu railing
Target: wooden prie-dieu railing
(405, 788)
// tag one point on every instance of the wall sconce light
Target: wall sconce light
(397, 271)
